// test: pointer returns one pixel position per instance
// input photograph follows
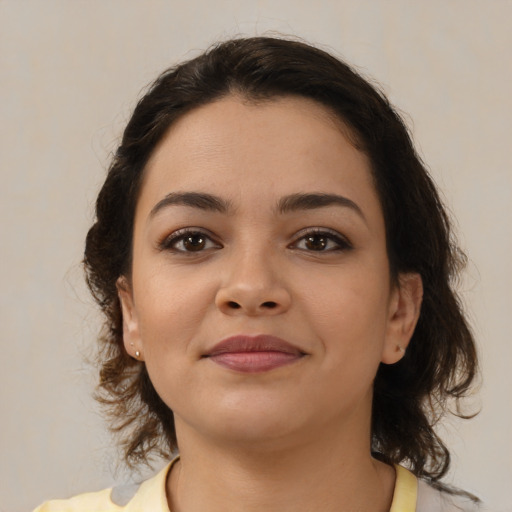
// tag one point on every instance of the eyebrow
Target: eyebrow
(198, 200)
(313, 201)
(287, 204)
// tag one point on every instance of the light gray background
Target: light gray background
(70, 71)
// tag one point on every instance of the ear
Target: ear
(404, 311)
(131, 334)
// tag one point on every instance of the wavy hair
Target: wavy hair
(440, 363)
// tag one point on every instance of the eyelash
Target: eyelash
(342, 243)
(169, 243)
(180, 235)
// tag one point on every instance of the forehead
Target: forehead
(254, 150)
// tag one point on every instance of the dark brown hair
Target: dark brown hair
(440, 363)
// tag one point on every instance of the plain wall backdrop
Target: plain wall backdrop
(70, 73)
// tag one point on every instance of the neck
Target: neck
(332, 472)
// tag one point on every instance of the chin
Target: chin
(252, 423)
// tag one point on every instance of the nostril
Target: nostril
(233, 305)
(269, 304)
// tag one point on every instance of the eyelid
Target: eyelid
(167, 241)
(343, 242)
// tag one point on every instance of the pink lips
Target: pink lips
(253, 354)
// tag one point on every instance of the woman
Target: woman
(275, 267)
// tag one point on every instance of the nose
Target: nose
(252, 287)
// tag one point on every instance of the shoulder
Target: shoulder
(148, 495)
(92, 501)
(431, 499)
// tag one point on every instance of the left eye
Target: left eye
(189, 241)
(321, 242)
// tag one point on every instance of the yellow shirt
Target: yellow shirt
(150, 496)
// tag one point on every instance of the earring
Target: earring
(137, 354)
(400, 348)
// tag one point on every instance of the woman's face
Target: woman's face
(260, 297)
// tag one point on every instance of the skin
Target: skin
(296, 437)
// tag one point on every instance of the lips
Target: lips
(253, 354)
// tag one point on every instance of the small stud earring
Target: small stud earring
(400, 348)
(137, 354)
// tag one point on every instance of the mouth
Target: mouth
(254, 354)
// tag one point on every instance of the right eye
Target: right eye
(188, 241)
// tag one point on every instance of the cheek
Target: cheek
(171, 306)
(349, 314)
(348, 300)
(171, 310)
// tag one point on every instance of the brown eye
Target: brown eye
(189, 241)
(315, 242)
(322, 241)
(194, 242)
